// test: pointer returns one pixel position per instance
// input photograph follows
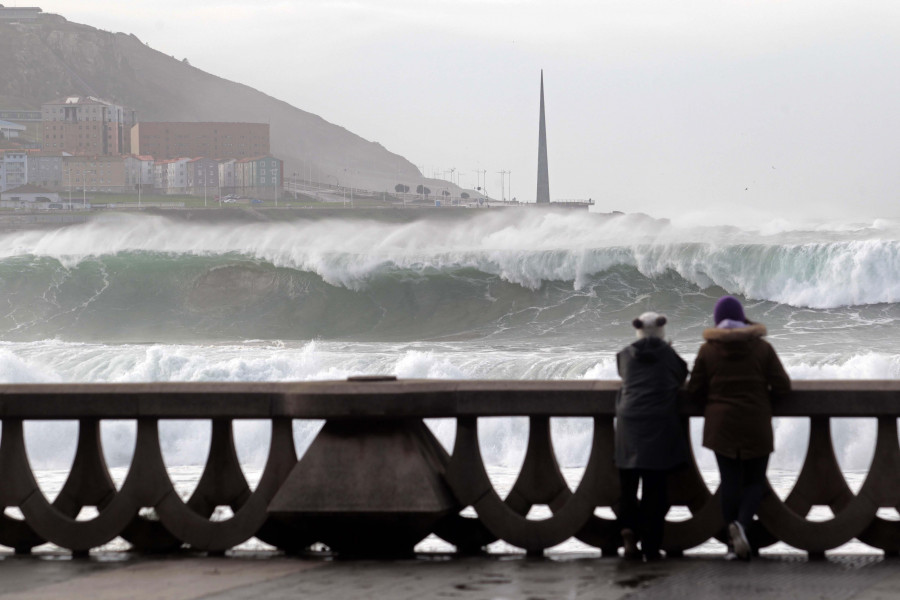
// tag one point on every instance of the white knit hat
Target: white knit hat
(650, 324)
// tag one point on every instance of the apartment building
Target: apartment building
(87, 126)
(226, 175)
(259, 176)
(45, 170)
(94, 173)
(13, 169)
(203, 176)
(214, 140)
(139, 171)
(170, 176)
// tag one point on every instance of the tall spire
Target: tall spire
(543, 179)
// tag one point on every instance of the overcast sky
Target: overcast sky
(731, 107)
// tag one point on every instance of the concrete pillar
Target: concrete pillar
(364, 487)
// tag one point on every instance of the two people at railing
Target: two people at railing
(735, 375)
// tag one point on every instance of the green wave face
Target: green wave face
(156, 297)
(140, 296)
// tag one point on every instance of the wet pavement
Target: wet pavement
(113, 575)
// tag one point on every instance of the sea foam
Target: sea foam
(51, 445)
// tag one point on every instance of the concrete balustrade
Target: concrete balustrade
(376, 481)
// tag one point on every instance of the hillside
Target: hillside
(54, 58)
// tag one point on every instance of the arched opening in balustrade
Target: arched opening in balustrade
(185, 446)
(118, 438)
(252, 438)
(572, 439)
(503, 442)
(50, 448)
(854, 446)
(79, 492)
(791, 448)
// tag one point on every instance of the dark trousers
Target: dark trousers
(743, 487)
(647, 516)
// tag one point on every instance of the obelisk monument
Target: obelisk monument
(543, 178)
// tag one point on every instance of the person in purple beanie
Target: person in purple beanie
(736, 375)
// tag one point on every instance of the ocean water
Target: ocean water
(494, 294)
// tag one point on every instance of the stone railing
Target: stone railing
(375, 480)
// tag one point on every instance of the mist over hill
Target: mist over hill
(53, 57)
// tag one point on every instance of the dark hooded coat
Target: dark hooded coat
(648, 428)
(735, 375)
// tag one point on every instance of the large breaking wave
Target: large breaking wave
(145, 278)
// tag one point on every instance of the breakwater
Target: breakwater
(375, 481)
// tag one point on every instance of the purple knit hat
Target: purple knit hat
(728, 307)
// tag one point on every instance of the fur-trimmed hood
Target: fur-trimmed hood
(735, 343)
(715, 334)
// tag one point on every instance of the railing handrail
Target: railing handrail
(406, 398)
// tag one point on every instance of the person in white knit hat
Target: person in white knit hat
(650, 441)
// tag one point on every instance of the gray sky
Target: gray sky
(735, 108)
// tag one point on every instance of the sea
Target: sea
(513, 293)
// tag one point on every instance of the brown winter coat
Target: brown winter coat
(735, 374)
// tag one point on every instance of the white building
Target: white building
(30, 197)
(45, 170)
(226, 175)
(10, 131)
(176, 174)
(170, 176)
(13, 169)
(139, 171)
